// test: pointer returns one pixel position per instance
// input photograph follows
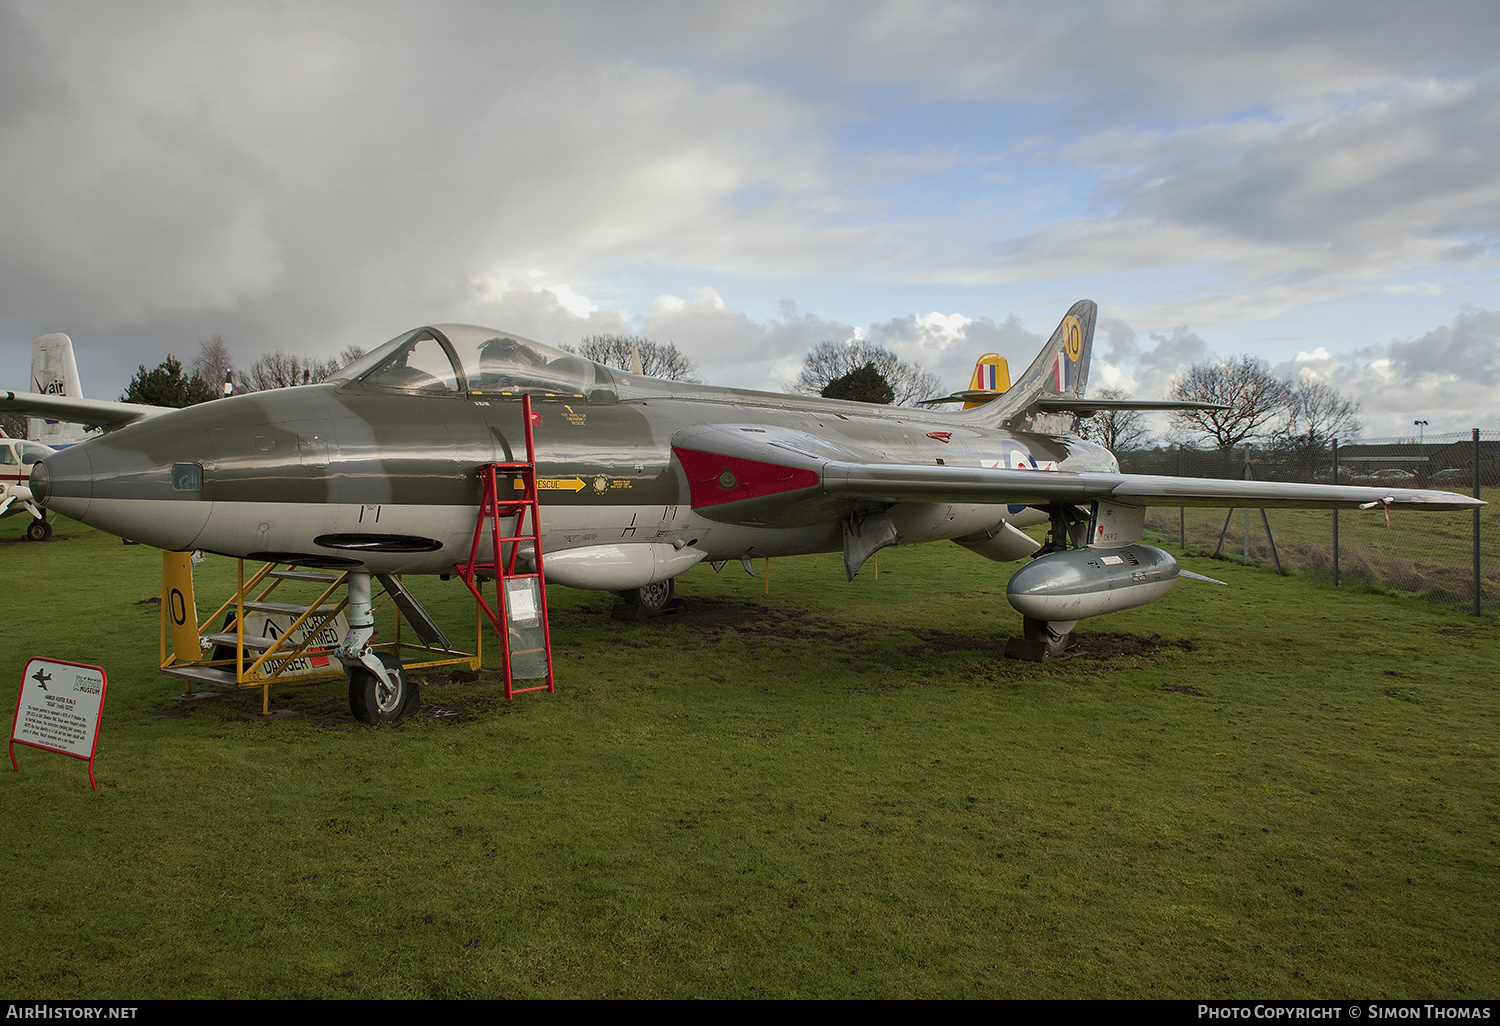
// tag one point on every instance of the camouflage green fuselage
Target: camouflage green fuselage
(345, 474)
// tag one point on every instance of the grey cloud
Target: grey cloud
(951, 352)
(1448, 376)
(1302, 207)
(1171, 353)
(336, 171)
(1416, 165)
(29, 83)
(1468, 349)
(1101, 59)
(732, 349)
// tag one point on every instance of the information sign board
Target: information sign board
(58, 709)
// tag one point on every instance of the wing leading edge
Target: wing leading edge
(735, 473)
(900, 483)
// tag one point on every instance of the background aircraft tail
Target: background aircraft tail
(54, 371)
(991, 374)
(1060, 370)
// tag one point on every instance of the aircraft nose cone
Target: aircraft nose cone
(64, 482)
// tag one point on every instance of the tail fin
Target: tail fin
(991, 374)
(54, 371)
(1061, 369)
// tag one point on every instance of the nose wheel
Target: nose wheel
(373, 700)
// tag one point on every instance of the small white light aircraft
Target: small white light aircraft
(17, 457)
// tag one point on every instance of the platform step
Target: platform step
(287, 608)
(214, 675)
(228, 639)
(315, 576)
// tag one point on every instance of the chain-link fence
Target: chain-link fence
(1441, 557)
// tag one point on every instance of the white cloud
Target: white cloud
(315, 175)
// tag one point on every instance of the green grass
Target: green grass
(1271, 789)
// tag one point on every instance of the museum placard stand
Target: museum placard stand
(58, 710)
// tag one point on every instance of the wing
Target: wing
(782, 478)
(1037, 487)
(94, 412)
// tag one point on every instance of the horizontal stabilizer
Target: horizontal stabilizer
(1089, 407)
(976, 396)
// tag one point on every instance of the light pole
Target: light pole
(1421, 426)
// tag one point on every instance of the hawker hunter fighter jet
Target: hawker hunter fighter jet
(376, 471)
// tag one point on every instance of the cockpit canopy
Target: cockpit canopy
(455, 359)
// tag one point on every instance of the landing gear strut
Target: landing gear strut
(1055, 638)
(379, 691)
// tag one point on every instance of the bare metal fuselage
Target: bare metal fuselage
(342, 475)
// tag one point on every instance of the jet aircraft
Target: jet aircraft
(376, 472)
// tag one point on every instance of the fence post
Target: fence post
(1181, 510)
(1247, 509)
(1477, 580)
(1335, 516)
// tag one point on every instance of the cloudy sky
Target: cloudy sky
(1317, 184)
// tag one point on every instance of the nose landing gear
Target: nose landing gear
(379, 691)
(376, 700)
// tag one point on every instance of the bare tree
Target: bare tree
(283, 370)
(1116, 430)
(1255, 399)
(658, 359)
(213, 362)
(831, 360)
(13, 425)
(1317, 415)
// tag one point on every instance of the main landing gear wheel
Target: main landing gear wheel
(372, 701)
(38, 530)
(653, 598)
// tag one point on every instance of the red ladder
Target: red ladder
(521, 598)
